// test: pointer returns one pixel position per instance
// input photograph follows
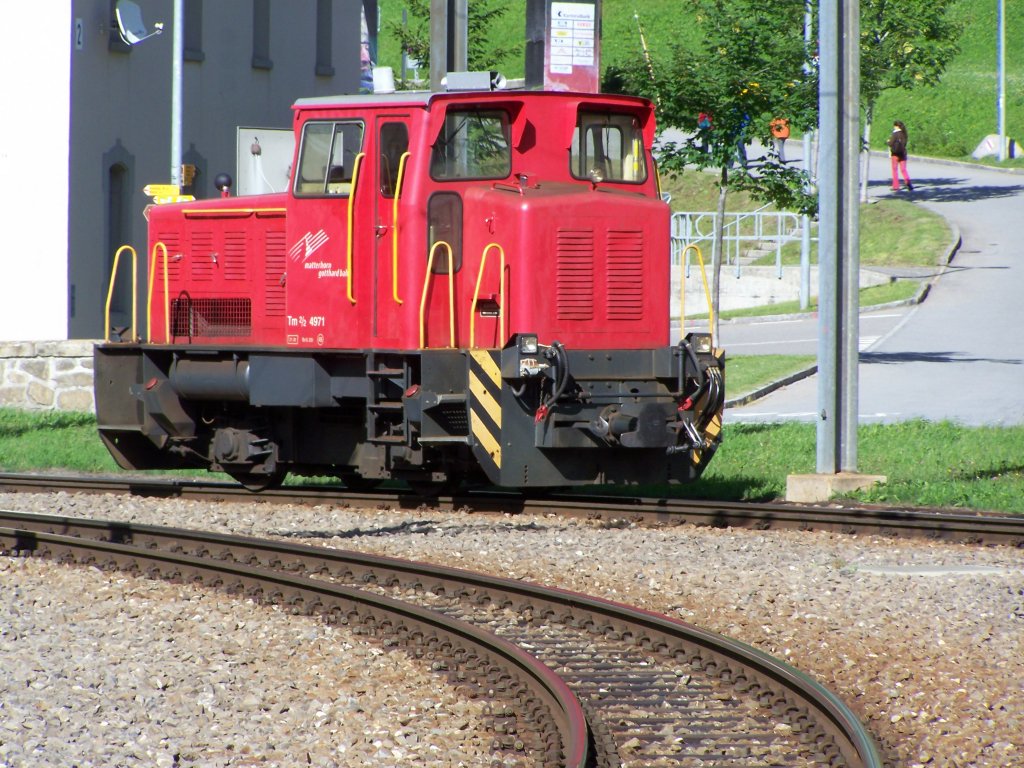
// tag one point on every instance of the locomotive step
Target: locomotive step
(444, 440)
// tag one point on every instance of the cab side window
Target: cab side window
(473, 144)
(327, 158)
(608, 147)
(394, 142)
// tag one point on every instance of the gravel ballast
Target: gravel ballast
(923, 640)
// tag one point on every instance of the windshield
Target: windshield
(608, 147)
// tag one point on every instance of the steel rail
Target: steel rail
(310, 596)
(650, 630)
(943, 525)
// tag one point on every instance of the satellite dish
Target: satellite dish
(129, 23)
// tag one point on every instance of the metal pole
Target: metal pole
(458, 35)
(438, 42)
(838, 243)
(1001, 99)
(536, 12)
(405, 53)
(177, 57)
(849, 358)
(805, 220)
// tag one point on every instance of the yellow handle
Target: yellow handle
(501, 297)
(394, 228)
(351, 219)
(451, 294)
(707, 291)
(110, 292)
(149, 296)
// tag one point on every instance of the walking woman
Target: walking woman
(897, 142)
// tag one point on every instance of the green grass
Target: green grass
(950, 119)
(53, 439)
(893, 233)
(927, 464)
(747, 373)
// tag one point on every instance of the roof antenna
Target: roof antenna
(647, 56)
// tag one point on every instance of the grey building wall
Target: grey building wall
(120, 123)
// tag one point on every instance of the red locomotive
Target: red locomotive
(456, 287)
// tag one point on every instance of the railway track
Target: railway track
(942, 525)
(576, 680)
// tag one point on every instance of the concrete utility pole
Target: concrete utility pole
(177, 61)
(449, 39)
(838, 257)
(838, 248)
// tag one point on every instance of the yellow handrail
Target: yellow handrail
(707, 291)
(110, 292)
(149, 296)
(501, 297)
(394, 228)
(451, 295)
(351, 219)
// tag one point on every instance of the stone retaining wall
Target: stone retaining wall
(46, 375)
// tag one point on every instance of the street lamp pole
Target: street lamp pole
(1001, 64)
(177, 56)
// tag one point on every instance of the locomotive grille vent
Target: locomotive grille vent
(173, 242)
(574, 277)
(234, 256)
(452, 418)
(625, 278)
(201, 261)
(273, 275)
(211, 317)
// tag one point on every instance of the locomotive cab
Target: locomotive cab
(457, 287)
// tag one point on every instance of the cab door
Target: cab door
(394, 300)
(328, 268)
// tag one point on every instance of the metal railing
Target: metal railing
(742, 232)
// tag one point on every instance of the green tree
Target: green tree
(414, 39)
(751, 67)
(905, 45)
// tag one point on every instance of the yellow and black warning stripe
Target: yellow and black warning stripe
(485, 405)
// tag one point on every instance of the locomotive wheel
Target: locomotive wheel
(257, 482)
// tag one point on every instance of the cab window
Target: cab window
(608, 147)
(327, 158)
(394, 141)
(473, 144)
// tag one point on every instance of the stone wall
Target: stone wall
(46, 375)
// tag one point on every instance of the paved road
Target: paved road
(960, 354)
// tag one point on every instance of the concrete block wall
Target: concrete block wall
(757, 287)
(46, 375)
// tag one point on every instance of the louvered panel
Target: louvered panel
(273, 275)
(234, 266)
(200, 257)
(172, 241)
(625, 275)
(574, 275)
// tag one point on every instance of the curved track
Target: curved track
(656, 691)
